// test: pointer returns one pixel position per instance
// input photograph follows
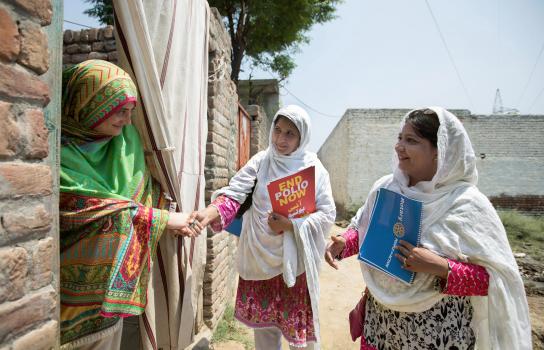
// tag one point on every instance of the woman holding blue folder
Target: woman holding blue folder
(278, 259)
(467, 292)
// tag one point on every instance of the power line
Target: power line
(536, 100)
(530, 76)
(78, 24)
(310, 107)
(302, 102)
(449, 53)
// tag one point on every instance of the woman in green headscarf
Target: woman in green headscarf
(112, 213)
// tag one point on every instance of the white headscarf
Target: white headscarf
(263, 254)
(459, 223)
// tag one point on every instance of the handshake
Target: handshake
(190, 225)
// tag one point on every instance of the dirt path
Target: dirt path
(340, 291)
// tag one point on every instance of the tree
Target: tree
(269, 32)
(265, 32)
(101, 9)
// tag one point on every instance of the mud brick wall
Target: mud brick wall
(220, 166)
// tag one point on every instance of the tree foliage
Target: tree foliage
(269, 32)
(101, 9)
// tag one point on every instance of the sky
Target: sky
(409, 54)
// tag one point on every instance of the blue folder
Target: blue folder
(235, 227)
(394, 217)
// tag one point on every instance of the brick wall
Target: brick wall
(86, 44)
(28, 199)
(510, 152)
(220, 166)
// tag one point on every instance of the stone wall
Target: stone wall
(259, 128)
(28, 203)
(220, 166)
(510, 152)
(86, 44)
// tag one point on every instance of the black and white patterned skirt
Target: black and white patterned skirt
(444, 326)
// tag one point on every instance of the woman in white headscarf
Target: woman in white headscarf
(467, 293)
(278, 289)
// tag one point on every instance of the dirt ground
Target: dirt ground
(340, 291)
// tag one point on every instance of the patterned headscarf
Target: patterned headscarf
(91, 92)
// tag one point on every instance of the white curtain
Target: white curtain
(164, 45)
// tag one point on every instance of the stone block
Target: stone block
(76, 34)
(13, 273)
(216, 173)
(80, 57)
(39, 339)
(29, 218)
(98, 56)
(93, 34)
(66, 59)
(107, 33)
(72, 49)
(215, 161)
(40, 9)
(84, 35)
(9, 45)
(34, 49)
(9, 132)
(98, 46)
(113, 56)
(68, 37)
(110, 45)
(18, 84)
(214, 148)
(36, 135)
(214, 183)
(42, 259)
(25, 313)
(19, 179)
(84, 48)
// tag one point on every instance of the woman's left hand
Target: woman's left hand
(418, 259)
(279, 223)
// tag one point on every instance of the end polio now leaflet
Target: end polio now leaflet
(292, 196)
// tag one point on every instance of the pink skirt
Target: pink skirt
(269, 303)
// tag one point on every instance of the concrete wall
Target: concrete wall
(259, 129)
(510, 150)
(337, 163)
(29, 103)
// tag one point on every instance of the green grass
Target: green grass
(229, 329)
(525, 233)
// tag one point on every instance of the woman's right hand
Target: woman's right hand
(207, 215)
(334, 248)
(184, 224)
